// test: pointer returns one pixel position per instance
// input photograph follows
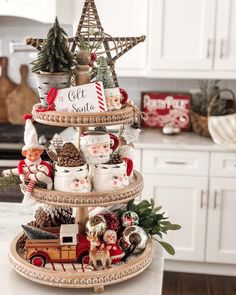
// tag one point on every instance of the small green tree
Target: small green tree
(54, 55)
(104, 74)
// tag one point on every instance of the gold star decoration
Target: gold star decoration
(92, 32)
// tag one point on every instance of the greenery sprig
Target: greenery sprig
(7, 182)
(153, 222)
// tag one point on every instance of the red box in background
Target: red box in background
(166, 108)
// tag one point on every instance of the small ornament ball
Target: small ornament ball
(135, 236)
(96, 225)
(130, 218)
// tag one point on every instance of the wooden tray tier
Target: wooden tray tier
(73, 279)
(54, 118)
(92, 199)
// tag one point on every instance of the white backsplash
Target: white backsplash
(13, 29)
(134, 86)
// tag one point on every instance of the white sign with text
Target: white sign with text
(83, 98)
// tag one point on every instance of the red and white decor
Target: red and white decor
(83, 98)
(166, 109)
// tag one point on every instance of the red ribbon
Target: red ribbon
(51, 97)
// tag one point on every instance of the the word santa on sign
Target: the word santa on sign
(83, 98)
(166, 109)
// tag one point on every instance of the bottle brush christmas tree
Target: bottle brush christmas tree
(104, 74)
(55, 56)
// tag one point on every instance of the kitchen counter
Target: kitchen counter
(154, 139)
(13, 215)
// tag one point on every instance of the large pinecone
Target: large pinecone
(70, 156)
(49, 216)
(115, 159)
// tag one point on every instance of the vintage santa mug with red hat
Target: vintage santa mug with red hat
(116, 98)
(97, 146)
(112, 176)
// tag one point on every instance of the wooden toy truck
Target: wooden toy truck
(69, 247)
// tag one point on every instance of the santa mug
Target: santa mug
(116, 98)
(112, 176)
(72, 179)
(97, 146)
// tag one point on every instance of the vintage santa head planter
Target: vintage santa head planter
(33, 169)
(97, 146)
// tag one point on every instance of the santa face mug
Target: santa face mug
(72, 179)
(112, 176)
(116, 98)
(97, 146)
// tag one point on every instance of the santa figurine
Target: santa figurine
(33, 169)
(116, 252)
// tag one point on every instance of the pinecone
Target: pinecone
(70, 156)
(115, 159)
(112, 220)
(49, 216)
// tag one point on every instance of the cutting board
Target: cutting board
(6, 86)
(21, 100)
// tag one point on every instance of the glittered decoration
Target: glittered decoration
(126, 151)
(130, 218)
(112, 220)
(96, 225)
(130, 134)
(34, 233)
(135, 236)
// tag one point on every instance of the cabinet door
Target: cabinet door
(221, 231)
(43, 11)
(184, 199)
(125, 19)
(225, 58)
(181, 34)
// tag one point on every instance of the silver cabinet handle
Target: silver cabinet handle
(202, 199)
(215, 200)
(176, 162)
(209, 42)
(222, 47)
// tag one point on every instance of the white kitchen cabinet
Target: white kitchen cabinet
(181, 34)
(43, 11)
(123, 19)
(221, 237)
(184, 199)
(225, 53)
(126, 19)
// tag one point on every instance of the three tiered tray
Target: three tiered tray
(71, 277)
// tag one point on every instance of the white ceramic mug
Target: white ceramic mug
(97, 146)
(116, 98)
(72, 179)
(112, 176)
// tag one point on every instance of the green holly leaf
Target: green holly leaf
(167, 247)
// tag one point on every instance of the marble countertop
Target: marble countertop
(13, 215)
(154, 139)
